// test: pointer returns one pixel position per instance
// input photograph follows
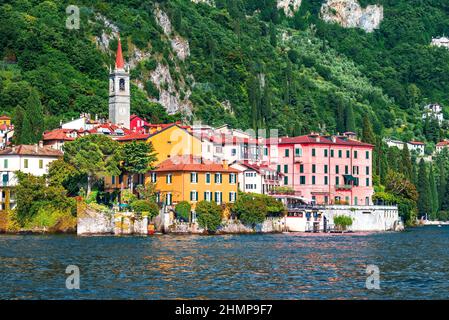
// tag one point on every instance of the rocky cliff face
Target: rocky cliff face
(350, 14)
(290, 7)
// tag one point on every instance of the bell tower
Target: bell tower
(119, 92)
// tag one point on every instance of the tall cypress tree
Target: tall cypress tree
(424, 200)
(441, 182)
(406, 163)
(433, 193)
(35, 115)
(349, 119)
(19, 115)
(367, 131)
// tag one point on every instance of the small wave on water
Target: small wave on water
(412, 265)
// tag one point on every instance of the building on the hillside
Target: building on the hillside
(256, 178)
(442, 145)
(5, 120)
(440, 42)
(433, 111)
(417, 146)
(138, 124)
(119, 92)
(325, 169)
(56, 138)
(394, 143)
(193, 179)
(33, 159)
(6, 134)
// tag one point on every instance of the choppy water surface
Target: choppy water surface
(413, 264)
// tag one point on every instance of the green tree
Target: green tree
(250, 210)
(433, 193)
(209, 215)
(424, 200)
(34, 114)
(182, 210)
(94, 155)
(138, 158)
(367, 131)
(406, 163)
(349, 119)
(18, 118)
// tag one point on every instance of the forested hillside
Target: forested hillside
(246, 63)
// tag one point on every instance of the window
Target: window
(326, 199)
(313, 168)
(348, 154)
(326, 169)
(313, 152)
(313, 180)
(367, 171)
(113, 180)
(325, 153)
(193, 196)
(337, 181)
(340, 153)
(337, 170)
(208, 178)
(285, 168)
(265, 151)
(122, 84)
(153, 177)
(218, 178)
(279, 168)
(302, 180)
(285, 181)
(232, 196)
(193, 177)
(301, 168)
(287, 153)
(169, 199)
(346, 169)
(298, 152)
(218, 197)
(326, 180)
(233, 152)
(355, 154)
(208, 196)
(5, 163)
(169, 178)
(25, 163)
(367, 155)
(232, 178)
(367, 182)
(332, 153)
(356, 201)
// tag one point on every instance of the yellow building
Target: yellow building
(169, 141)
(193, 179)
(5, 120)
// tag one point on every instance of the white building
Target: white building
(434, 111)
(256, 178)
(440, 42)
(394, 143)
(442, 145)
(33, 159)
(416, 146)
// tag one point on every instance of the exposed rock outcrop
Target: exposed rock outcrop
(209, 2)
(350, 14)
(290, 7)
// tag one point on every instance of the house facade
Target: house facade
(254, 178)
(325, 169)
(33, 159)
(192, 179)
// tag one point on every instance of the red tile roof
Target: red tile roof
(5, 117)
(224, 139)
(190, 164)
(119, 62)
(419, 143)
(443, 143)
(133, 137)
(255, 167)
(58, 134)
(32, 150)
(313, 139)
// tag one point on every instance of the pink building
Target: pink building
(325, 169)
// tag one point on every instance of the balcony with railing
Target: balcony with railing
(344, 187)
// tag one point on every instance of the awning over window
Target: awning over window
(349, 178)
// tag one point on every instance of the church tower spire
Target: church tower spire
(119, 91)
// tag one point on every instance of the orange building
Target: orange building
(193, 179)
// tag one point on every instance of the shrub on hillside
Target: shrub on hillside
(145, 207)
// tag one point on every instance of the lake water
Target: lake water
(412, 264)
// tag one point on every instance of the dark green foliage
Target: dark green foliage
(146, 207)
(209, 215)
(423, 186)
(182, 210)
(137, 158)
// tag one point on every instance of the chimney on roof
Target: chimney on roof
(225, 164)
(41, 144)
(36, 148)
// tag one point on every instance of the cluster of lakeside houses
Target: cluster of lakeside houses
(317, 177)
